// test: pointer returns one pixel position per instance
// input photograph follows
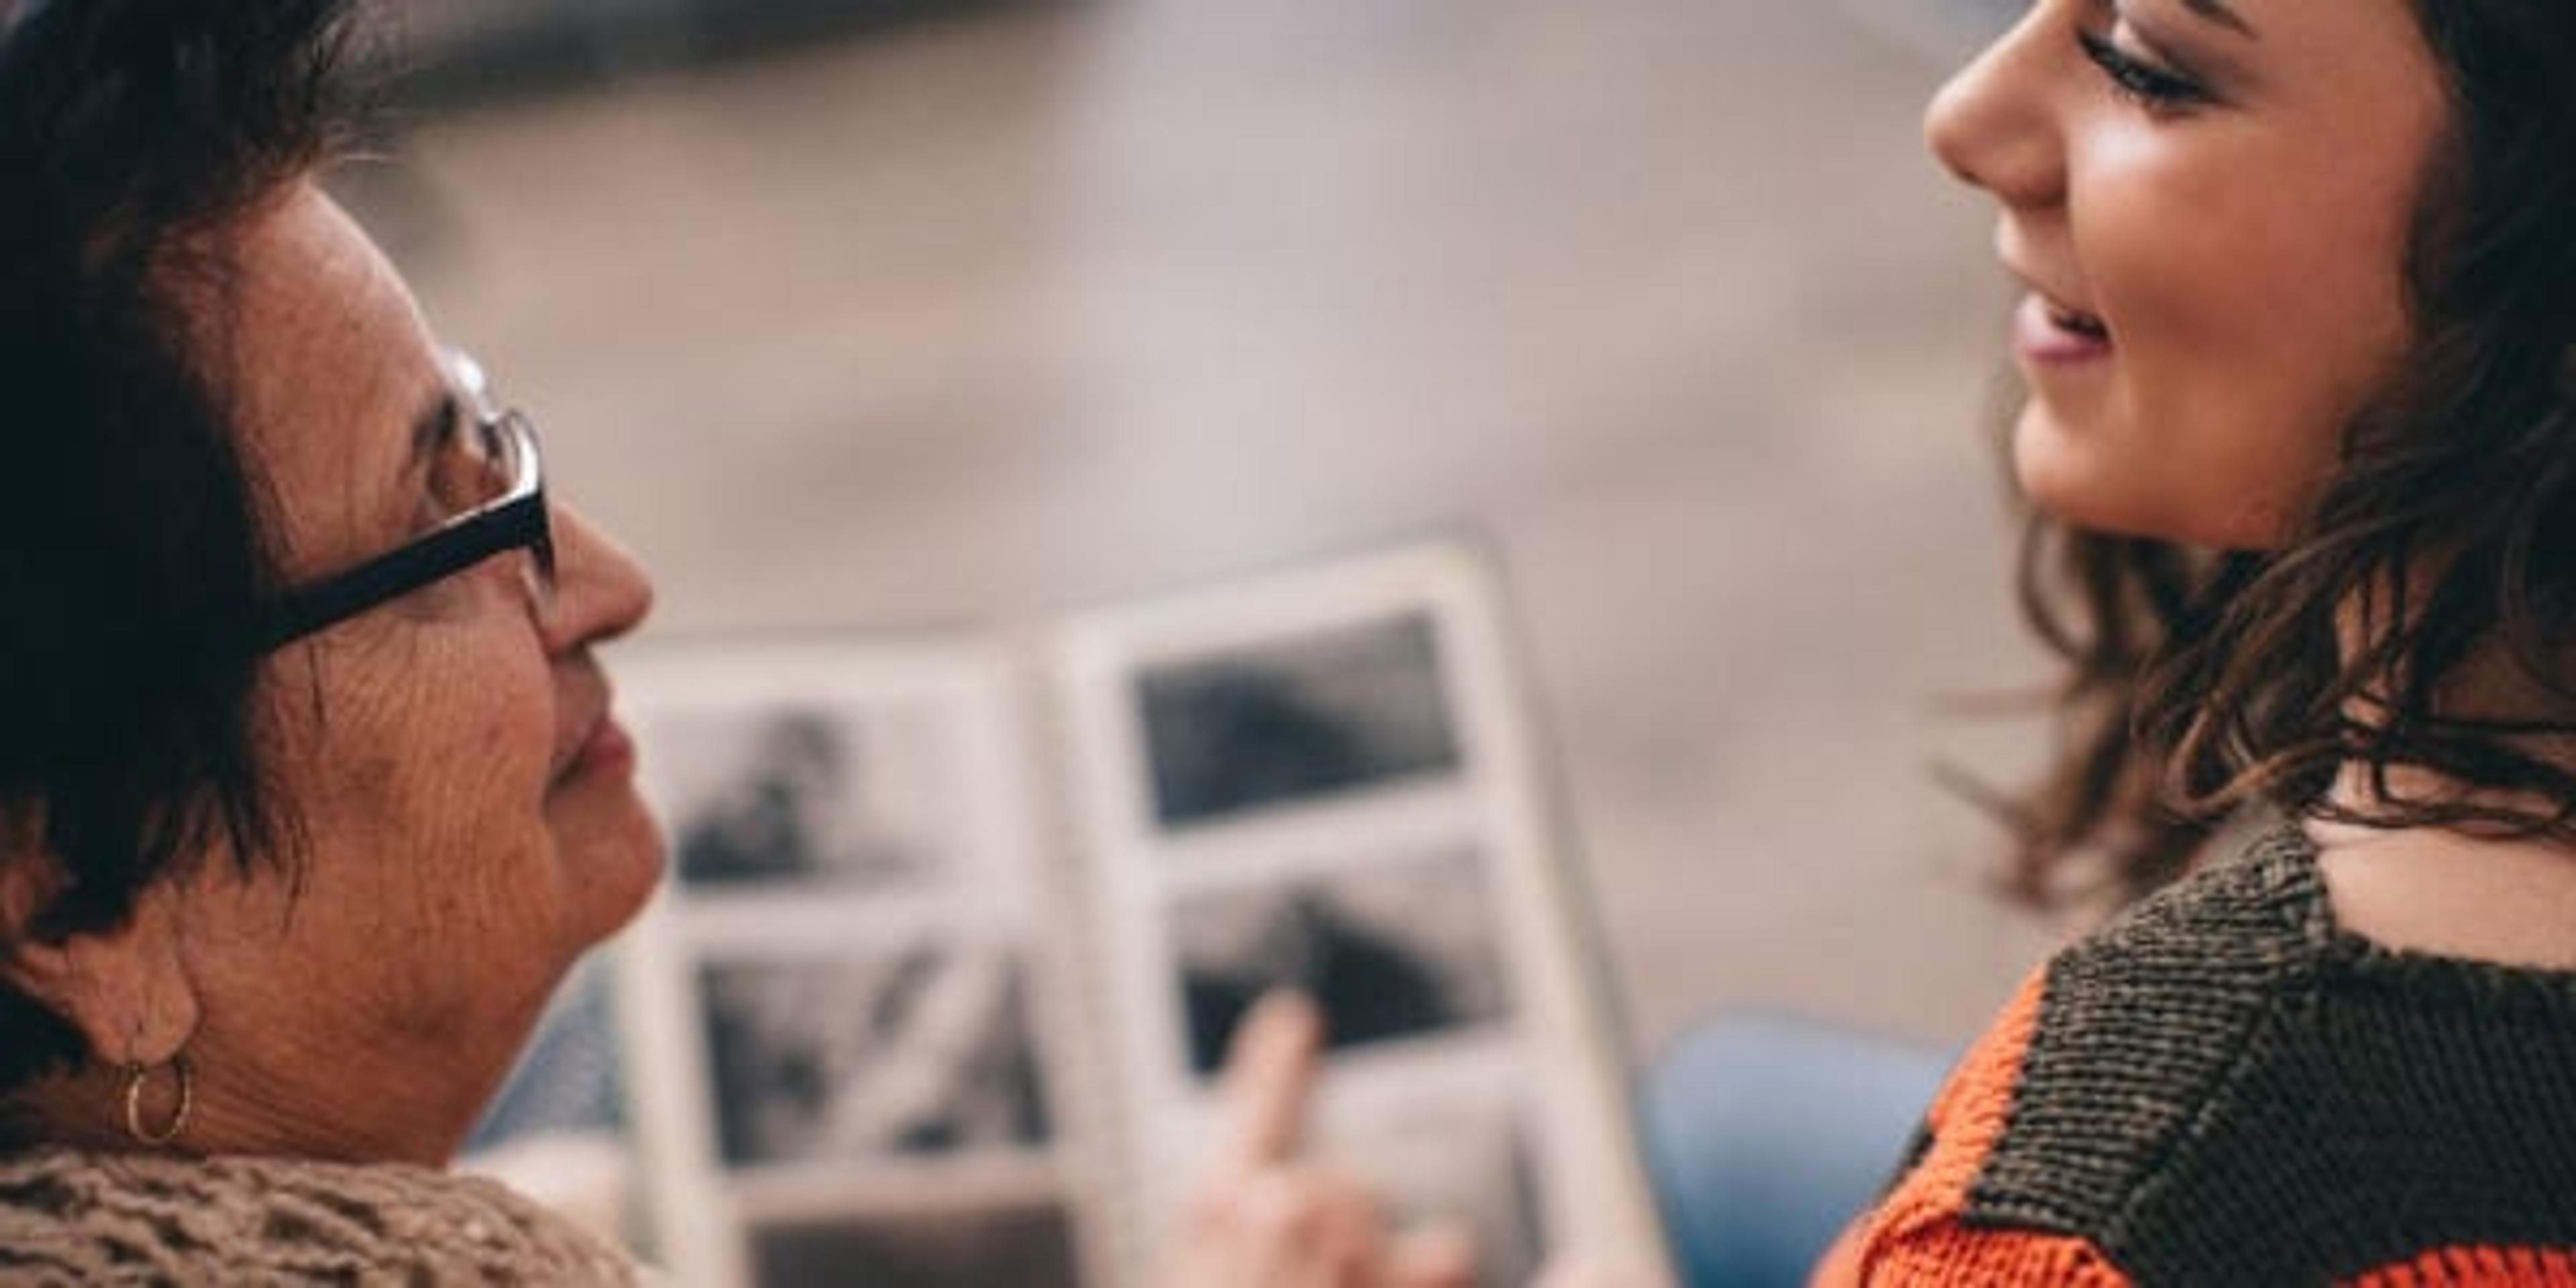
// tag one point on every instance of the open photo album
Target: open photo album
(957, 933)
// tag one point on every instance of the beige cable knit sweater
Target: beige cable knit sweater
(69, 1218)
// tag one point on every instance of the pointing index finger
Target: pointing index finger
(1269, 1073)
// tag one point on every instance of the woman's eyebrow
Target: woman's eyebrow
(2217, 11)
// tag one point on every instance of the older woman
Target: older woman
(310, 791)
(311, 788)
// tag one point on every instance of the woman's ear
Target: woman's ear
(125, 989)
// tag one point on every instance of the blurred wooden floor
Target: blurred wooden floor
(975, 321)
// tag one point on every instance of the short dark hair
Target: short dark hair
(2203, 681)
(133, 550)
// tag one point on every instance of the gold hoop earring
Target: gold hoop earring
(136, 1076)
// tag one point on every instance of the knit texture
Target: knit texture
(134, 1220)
(2224, 1087)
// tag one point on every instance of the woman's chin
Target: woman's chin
(2108, 478)
(613, 857)
(2063, 472)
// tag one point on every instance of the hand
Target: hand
(1263, 1220)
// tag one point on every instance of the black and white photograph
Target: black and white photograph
(839, 795)
(1403, 950)
(1024, 1245)
(926, 1050)
(1296, 719)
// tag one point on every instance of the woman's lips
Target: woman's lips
(2045, 332)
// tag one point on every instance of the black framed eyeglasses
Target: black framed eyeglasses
(486, 475)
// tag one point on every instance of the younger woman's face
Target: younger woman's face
(2210, 203)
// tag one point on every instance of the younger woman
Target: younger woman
(2300, 344)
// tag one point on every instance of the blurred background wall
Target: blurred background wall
(906, 313)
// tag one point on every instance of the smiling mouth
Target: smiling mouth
(2058, 337)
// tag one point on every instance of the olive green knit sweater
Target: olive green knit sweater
(2226, 1088)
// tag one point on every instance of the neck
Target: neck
(2527, 711)
(2444, 892)
(85, 1110)
(2490, 891)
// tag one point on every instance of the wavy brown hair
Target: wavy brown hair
(2438, 561)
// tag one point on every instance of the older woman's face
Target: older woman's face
(467, 803)
(2210, 203)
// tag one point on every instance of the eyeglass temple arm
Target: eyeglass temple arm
(521, 522)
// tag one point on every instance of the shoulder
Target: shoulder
(2060, 1107)
(2138, 1027)
(2223, 1086)
(87, 1218)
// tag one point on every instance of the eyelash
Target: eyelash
(431, 511)
(2142, 83)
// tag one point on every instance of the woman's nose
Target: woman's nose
(1993, 124)
(600, 591)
